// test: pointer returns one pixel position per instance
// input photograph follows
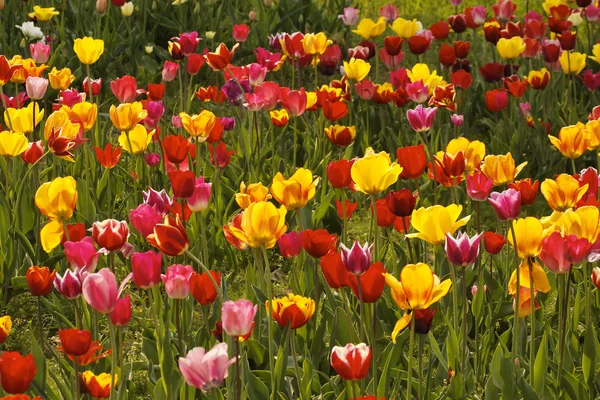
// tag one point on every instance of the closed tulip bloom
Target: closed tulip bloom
(372, 283)
(290, 244)
(357, 69)
(98, 386)
(318, 242)
(12, 144)
(88, 49)
(238, 317)
(136, 140)
(402, 203)
(509, 49)
(340, 135)
(479, 186)
(405, 28)
(17, 372)
(75, 342)
(538, 80)
(596, 277)
(413, 161)
(493, 242)
(356, 259)
(100, 291)
(417, 289)
(198, 125)
(176, 148)
(501, 169)
(146, 268)
(334, 270)
(369, 29)
(110, 234)
(279, 118)
(529, 233)
(34, 151)
(251, 193)
(507, 204)
(203, 289)
(432, 223)
(125, 89)
(496, 100)
(182, 183)
(21, 120)
(36, 87)
(556, 251)
(375, 172)
(421, 118)
(40, 52)
(206, 370)
(350, 16)
(296, 191)
(540, 280)
(69, 285)
(199, 199)
(83, 254)
(169, 237)
(60, 79)
(562, 193)
(572, 62)
(5, 327)
(291, 310)
(315, 44)
(57, 199)
(40, 280)
(177, 281)
(524, 306)
(528, 190)
(351, 362)
(127, 115)
(144, 218)
(464, 250)
(121, 315)
(95, 85)
(221, 57)
(262, 224)
(572, 140)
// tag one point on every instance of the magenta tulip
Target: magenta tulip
(121, 315)
(238, 317)
(421, 118)
(463, 250)
(177, 281)
(206, 370)
(479, 186)
(83, 255)
(507, 204)
(146, 268)
(69, 285)
(357, 259)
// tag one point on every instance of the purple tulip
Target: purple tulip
(463, 250)
(356, 259)
(507, 204)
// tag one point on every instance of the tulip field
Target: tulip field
(299, 199)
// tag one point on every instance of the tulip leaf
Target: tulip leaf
(26, 244)
(491, 390)
(435, 348)
(589, 354)
(343, 330)
(541, 366)
(526, 389)
(393, 356)
(319, 214)
(40, 360)
(282, 361)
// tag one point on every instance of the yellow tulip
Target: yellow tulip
(292, 310)
(417, 289)
(421, 72)
(43, 14)
(60, 119)
(51, 235)
(57, 199)
(572, 62)
(525, 302)
(582, 223)
(311, 99)
(198, 125)
(28, 69)
(127, 115)
(501, 169)
(369, 29)
(596, 53)
(83, 113)
(563, 193)
(356, 69)
(405, 28)
(572, 141)
(529, 233)
(593, 127)
(315, 44)
(296, 191)
(12, 144)
(473, 151)
(251, 194)
(5, 326)
(262, 224)
(432, 223)
(88, 49)
(20, 120)
(549, 4)
(509, 49)
(60, 79)
(374, 172)
(540, 280)
(136, 140)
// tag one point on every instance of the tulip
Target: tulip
(562, 193)
(206, 370)
(75, 342)
(290, 244)
(221, 58)
(169, 72)
(369, 29)
(346, 209)
(507, 204)
(496, 100)
(279, 118)
(100, 291)
(98, 386)
(25, 119)
(36, 87)
(5, 327)
(479, 186)
(121, 315)
(421, 118)
(144, 218)
(40, 52)
(108, 157)
(199, 199)
(339, 173)
(238, 317)
(110, 234)
(169, 237)
(136, 140)
(291, 310)
(69, 285)
(527, 189)
(296, 191)
(319, 242)
(372, 283)
(315, 44)
(464, 250)
(12, 144)
(33, 152)
(417, 289)
(262, 224)
(17, 372)
(177, 281)
(405, 28)
(252, 193)
(356, 69)
(199, 125)
(573, 140)
(572, 62)
(350, 16)
(88, 49)
(529, 267)
(82, 113)
(293, 101)
(83, 255)
(126, 116)
(596, 277)
(558, 252)
(434, 222)
(125, 89)
(334, 270)
(182, 183)
(374, 173)
(509, 49)
(351, 362)
(95, 88)
(501, 169)
(493, 242)
(40, 280)
(524, 306)
(202, 287)
(146, 268)
(529, 236)
(417, 91)
(402, 203)
(356, 259)
(413, 161)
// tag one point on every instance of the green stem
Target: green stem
(454, 297)
(206, 270)
(237, 390)
(563, 333)
(270, 315)
(362, 308)
(375, 228)
(532, 321)
(178, 327)
(113, 358)
(410, 357)
(297, 369)
(465, 347)
(76, 382)
(515, 338)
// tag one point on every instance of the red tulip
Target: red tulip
(121, 315)
(240, 32)
(110, 234)
(492, 72)
(372, 283)
(334, 111)
(219, 155)
(156, 91)
(496, 100)
(349, 208)
(108, 157)
(194, 63)
(183, 183)
(385, 217)
(413, 161)
(202, 287)
(402, 203)
(40, 280)
(338, 173)
(493, 242)
(170, 237)
(16, 372)
(351, 362)
(334, 271)
(290, 244)
(440, 30)
(447, 55)
(75, 342)
(176, 148)
(393, 45)
(318, 242)
(528, 189)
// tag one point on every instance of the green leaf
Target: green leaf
(491, 390)
(255, 388)
(319, 214)
(588, 362)
(393, 357)
(435, 348)
(282, 361)
(343, 329)
(40, 361)
(541, 366)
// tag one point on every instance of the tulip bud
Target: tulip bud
(210, 35)
(121, 315)
(152, 159)
(101, 6)
(149, 48)
(40, 52)
(252, 15)
(290, 244)
(596, 277)
(127, 9)
(176, 122)
(198, 201)
(356, 259)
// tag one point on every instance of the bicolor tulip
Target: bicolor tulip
(98, 386)
(5, 327)
(421, 118)
(356, 259)
(351, 362)
(340, 135)
(170, 237)
(110, 234)
(462, 250)
(292, 310)
(221, 57)
(507, 204)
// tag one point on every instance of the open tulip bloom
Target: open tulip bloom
(252, 202)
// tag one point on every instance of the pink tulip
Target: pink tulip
(290, 244)
(504, 9)
(365, 89)
(389, 12)
(269, 91)
(177, 281)
(125, 89)
(350, 16)
(417, 91)
(201, 196)
(253, 102)
(144, 218)
(96, 86)
(161, 199)
(152, 159)
(169, 71)
(240, 32)
(559, 253)
(457, 120)
(36, 87)
(456, 3)
(478, 15)
(593, 13)
(146, 268)
(256, 74)
(507, 204)
(357, 259)
(463, 250)
(203, 370)
(188, 41)
(388, 60)
(238, 317)
(100, 291)
(83, 255)
(69, 285)
(293, 101)
(596, 277)
(479, 186)
(40, 52)
(176, 122)
(421, 118)
(70, 97)
(121, 315)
